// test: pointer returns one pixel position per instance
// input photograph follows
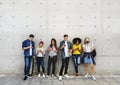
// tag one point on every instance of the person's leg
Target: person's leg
(54, 64)
(42, 64)
(62, 67)
(75, 64)
(30, 60)
(49, 66)
(67, 64)
(86, 69)
(27, 66)
(92, 71)
(38, 64)
(78, 59)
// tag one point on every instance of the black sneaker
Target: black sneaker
(25, 78)
(29, 75)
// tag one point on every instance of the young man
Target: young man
(28, 47)
(66, 50)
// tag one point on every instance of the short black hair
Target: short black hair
(31, 35)
(66, 35)
(77, 39)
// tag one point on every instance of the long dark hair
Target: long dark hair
(53, 39)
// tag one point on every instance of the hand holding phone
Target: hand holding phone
(30, 47)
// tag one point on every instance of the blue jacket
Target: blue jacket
(62, 53)
(26, 43)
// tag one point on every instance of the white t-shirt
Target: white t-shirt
(66, 50)
(40, 54)
(30, 49)
(88, 47)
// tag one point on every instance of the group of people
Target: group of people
(66, 49)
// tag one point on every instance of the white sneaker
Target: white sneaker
(93, 78)
(66, 76)
(60, 78)
(43, 75)
(38, 75)
(52, 75)
(86, 75)
(47, 76)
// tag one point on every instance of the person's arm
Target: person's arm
(56, 50)
(48, 49)
(81, 48)
(74, 49)
(92, 47)
(33, 47)
(37, 51)
(43, 51)
(70, 49)
(24, 47)
(61, 45)
(84, 49)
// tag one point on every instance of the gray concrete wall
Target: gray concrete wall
(98, 19)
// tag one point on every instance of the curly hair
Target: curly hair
(77, 39)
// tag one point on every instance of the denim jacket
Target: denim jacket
(26, 43)
(62, 53)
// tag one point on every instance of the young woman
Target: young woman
(52, 52)
(40, 58)
(88, 48)
(76, 53)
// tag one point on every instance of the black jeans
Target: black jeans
(53, 61)
(65, 63)
(40, 61)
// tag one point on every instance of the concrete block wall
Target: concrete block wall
(98, 19)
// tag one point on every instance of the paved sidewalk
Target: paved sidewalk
(17, 79)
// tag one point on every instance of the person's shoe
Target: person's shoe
(29, 75)
(38, 75)
(25, 78)
(60, 78)
(52, 75)
(86, 76)
(77, 74)
(47, 76)
(43, 75)
(93, 78)
(66, 76)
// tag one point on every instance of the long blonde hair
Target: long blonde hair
(85, 40)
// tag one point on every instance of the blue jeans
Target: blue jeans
(27, 60)
(76, 60)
